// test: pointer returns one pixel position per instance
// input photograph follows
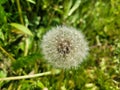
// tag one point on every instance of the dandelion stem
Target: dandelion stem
(29, 76)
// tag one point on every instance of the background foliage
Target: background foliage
(22, 25)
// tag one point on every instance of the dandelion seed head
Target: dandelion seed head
(64, 47)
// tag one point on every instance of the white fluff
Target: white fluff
(64, 47)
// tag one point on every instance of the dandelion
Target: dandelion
(64, 47)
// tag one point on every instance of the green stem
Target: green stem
(4, 51)
(26, 46)
(61, 79)
(20, 11)
(21, 20)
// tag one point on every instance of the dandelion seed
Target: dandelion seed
(64, 47)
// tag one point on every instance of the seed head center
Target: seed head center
(63, 47)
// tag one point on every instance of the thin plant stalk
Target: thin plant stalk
(20, 11)
(4, 51)
(29, 76)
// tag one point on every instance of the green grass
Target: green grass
(20, 50)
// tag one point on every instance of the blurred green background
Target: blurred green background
(24, 22)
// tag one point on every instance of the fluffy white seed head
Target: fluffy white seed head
(64, 47)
